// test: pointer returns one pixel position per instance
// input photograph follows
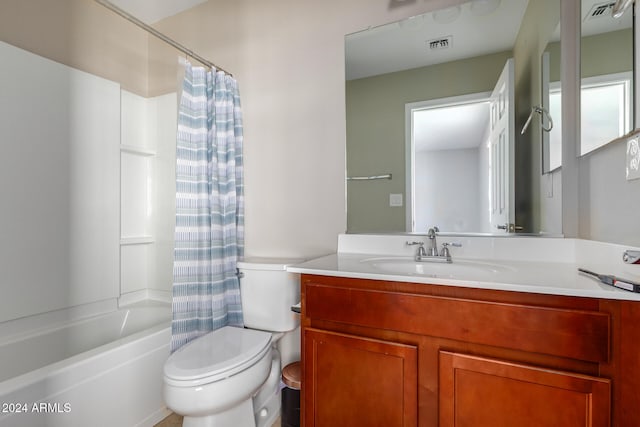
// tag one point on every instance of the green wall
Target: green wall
(376, 131)
(607, 53)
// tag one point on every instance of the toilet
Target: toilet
(231, 377)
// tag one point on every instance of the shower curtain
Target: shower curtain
(209, 234)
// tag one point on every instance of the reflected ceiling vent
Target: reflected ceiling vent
(600, 10)
(441, 43)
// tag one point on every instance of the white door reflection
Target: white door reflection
(446, 132)
(462, 146)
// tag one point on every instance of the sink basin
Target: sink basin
(458, 268)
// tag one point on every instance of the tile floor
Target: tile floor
(174, 420)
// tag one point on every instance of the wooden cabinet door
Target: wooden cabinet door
(476, 391)
(356, 381)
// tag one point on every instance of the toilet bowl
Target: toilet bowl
(230, 377)
(211, 380)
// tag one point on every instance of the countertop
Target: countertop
(542, 277)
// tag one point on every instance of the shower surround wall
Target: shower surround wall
(59, 175)
(67, 244)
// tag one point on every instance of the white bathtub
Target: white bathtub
(99, 371)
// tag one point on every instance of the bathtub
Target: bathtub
(103, 370)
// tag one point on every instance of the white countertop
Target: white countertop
(535, 276)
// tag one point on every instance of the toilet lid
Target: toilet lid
(218, 352)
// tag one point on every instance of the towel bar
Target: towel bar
(368, 178)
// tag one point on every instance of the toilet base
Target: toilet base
(270, 411)
(266, 402)
(260, 410)
(238, 416)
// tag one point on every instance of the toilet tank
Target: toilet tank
(268, 291)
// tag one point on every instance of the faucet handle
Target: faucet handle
(445, 248)
(420, 252)
(454, 244)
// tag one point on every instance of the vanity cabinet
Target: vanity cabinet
(360, 381)
(382, 353)
(476, 391)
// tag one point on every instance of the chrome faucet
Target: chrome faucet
(431, 254)
(433, 243)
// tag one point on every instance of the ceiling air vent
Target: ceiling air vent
(600, 10)
(441, 43)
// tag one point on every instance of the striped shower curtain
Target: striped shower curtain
(209, 237)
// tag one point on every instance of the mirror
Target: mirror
(606, 64)
(551, 101)
(433, 63)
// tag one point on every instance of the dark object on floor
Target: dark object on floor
(291, 395)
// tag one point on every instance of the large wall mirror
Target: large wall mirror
(435, 108)
(606, 95)
(606, 63)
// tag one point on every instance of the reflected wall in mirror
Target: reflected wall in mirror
(606, 96)
(429, 60)
(606, 62)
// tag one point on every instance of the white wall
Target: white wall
(288, 57)
(551, 203)
(448, 198)
(59, 175)
(609, 205)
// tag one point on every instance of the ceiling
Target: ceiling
(152, 11)
(596, 21)
(405, 44)
(451, 127)
(470, 32)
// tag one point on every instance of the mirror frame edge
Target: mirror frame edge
(636, 70)
(570, 30)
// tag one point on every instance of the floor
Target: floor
(175, 420)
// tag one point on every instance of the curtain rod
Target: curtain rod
(159, 35)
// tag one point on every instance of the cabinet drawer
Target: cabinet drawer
(576, 334)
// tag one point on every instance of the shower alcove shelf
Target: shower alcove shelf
(147, 143)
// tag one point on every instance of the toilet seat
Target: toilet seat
(215, 356)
